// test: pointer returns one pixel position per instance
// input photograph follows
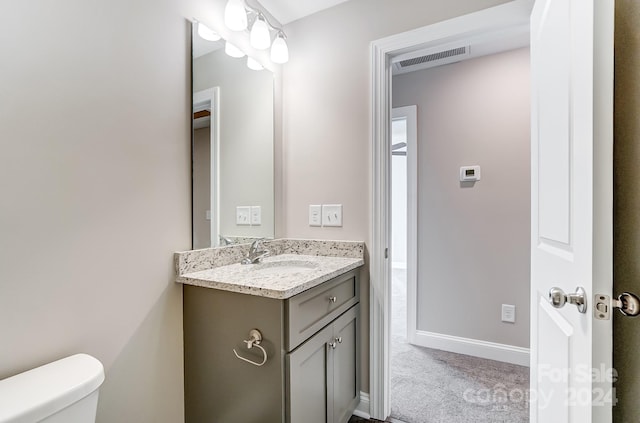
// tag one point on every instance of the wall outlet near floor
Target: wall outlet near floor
(508, 313)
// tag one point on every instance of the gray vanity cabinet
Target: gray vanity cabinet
(305, 378)
(322, 375)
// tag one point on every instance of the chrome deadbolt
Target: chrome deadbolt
(558, 298)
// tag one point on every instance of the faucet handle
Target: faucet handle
(255, 245)
(225, 240)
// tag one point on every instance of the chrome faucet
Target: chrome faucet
(256, 253)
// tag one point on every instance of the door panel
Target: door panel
(307, 373)
(554, 349)
(345, 366)
(554, 140)
(571, 233)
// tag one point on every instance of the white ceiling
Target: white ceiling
(286, 11)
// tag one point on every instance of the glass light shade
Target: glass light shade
(207, 33)
(232, 50)
(253, 64)
(279, 50)
(260, 37)
(235, 16)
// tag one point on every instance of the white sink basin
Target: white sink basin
(284, 267)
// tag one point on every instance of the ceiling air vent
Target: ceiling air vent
(430, 59)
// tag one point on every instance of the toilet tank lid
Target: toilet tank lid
(35, 394)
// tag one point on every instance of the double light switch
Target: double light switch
(325, 215)
(249, 215)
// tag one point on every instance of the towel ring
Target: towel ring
(255, 338)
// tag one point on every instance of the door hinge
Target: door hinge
(627, 303)
(386, 253)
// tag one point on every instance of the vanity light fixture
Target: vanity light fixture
(236, 18)
(260, 37)
(207, 33)
(232, 50)
(253, 64)
(279, 49)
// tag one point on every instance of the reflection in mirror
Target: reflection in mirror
(233, 194)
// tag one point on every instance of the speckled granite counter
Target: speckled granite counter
(294, 266)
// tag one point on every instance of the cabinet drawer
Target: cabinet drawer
(310, 311)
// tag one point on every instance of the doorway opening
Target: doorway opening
(501, 28)
(457, 358)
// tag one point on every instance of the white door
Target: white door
(571, 209)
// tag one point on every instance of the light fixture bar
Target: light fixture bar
(259, 13)
(237, 14)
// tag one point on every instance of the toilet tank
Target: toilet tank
(63, 391)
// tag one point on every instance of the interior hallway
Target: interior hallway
(433, 386)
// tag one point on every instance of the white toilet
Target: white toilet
(65, 391)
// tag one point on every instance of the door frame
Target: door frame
(507, 20)
(410, 113)
(210, 98)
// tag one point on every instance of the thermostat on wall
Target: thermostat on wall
(469, 173)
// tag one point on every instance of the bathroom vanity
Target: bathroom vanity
(305, 368)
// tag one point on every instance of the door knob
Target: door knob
(558, 298)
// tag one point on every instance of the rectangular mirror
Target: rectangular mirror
(232, 147)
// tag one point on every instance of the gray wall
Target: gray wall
(246, 142)
(95, 183)
(626, 205)
(326, 153)
(473, 241)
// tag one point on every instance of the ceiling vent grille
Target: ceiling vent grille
(435, 56)
(430, 60)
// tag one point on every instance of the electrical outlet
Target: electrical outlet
(332, 215)
(315, 215)
(508, 313)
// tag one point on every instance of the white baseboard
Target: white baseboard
(473, 347)
(363, 409)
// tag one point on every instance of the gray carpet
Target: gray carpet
(433, 386)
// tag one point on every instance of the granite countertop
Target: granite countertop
(295, 265)
(281, 276)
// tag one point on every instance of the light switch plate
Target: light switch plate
(256, 215)
(332, 215)
(207, 215)
(315, 215)
(243, 215)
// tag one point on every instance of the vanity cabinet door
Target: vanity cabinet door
(323, 373)
(308, 380)
(346, 377)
